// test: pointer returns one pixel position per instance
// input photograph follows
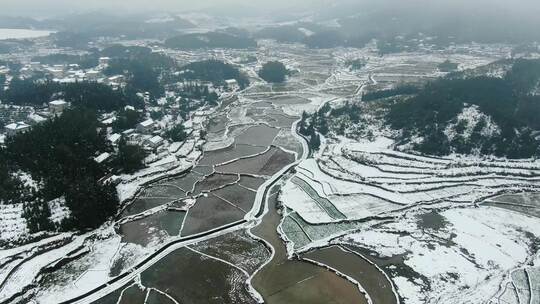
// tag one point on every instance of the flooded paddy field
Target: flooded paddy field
(155, 297)
(210, 212)
(238, 196)
(260, 135)
(230, 153)
(375, 283)
(214, 181)
(292, 281)
(267, 164)
(238, 248)
(133, 295)
(251, 182)
(152, 228)
(190, 277)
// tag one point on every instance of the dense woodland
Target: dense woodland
(274, 72)
(425, 116)
(59, 155)
(88, 94)
(213, 71)
(511, 102)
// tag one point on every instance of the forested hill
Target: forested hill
(474, 115)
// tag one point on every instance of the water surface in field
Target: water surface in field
(284, 281)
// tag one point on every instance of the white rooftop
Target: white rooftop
(156, 139)
(17, 126)
(58, 102)
(147, 123)
(114, 137)
(36, 118)
(102, 157)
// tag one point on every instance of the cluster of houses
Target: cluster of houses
(69, 73)
(55, 107)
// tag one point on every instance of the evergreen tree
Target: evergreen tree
(129, 158)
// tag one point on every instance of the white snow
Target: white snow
(479, 245)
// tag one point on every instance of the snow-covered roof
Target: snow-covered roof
(102, 157)
(147, 123)
(17, 126)
(231, 81)
(36, 118)
(108, 121)
(156, 139)
(117, 77)
(128, 131)
(114, 137)
(58, 102)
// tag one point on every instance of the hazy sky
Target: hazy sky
(59, 7)
(46, 8)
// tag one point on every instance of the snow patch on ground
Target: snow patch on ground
(469, 118)
(463, 262)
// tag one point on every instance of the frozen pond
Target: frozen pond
(22, 33)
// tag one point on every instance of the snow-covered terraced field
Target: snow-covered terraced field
(480, 247)
(426, 213)
(363, 181)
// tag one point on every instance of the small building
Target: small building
(154, 142)
(56, 72)
(128, 132)
(57, 106)
(36, 119)
(232, 84)
(35, 65)
(16, 128)
(104, 61)
(108, 122)
(114, 138)
(102, 158)
(146, 126)
(92, 75)
(116, 79)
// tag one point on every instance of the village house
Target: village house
(92, 75)
(56, 72)
(57, 106)
(232, 84)
(103, 61)
(102, 157)
(35, 119)
(16, 128)
(114, 138)
(154, 142)
(146, 126)
(35, 65)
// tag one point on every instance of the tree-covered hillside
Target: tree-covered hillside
(481, 114)
(214, 71)
(88, 94)
(59, 155)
